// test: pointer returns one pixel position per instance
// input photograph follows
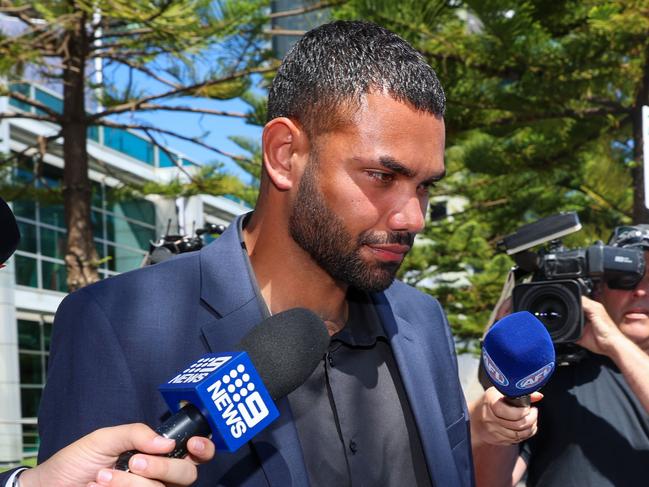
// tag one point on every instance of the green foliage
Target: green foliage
(209, 180)
(165, 51)
(542, 101)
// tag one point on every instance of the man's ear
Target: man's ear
(284, 144)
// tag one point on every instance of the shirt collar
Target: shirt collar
(363, 326)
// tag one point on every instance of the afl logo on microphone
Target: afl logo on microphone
(535, 378)
(492, 370)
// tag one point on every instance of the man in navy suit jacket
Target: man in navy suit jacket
(354, 140)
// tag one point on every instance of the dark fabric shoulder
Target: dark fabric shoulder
(592, 429)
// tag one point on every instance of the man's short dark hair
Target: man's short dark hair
(332, 66)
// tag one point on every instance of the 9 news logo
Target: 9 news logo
(237, 400)
(230, 394)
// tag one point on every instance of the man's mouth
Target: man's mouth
(637, 313)
(389, 252)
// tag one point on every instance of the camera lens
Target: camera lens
(557, 304)
(551, 311)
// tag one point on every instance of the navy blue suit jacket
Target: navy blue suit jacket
(114, 342)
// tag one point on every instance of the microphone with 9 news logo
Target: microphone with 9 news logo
(518, 356)
(230, 395)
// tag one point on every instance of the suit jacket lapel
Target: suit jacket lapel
(416, 366)
(226, 288)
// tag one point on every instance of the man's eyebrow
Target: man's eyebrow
(395, 166)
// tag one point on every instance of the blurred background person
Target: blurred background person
(593, 423)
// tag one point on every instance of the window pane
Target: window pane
(97, 195)
(25, 208)
(26, 273)
(50, 101)
(166, 161)
(131, 234)
(30, 399)
(129, 143)
(23, 89)
(29, 335)
(123, 260)
(110, 228)
(97, 225)
(99, 247)
(140, 210)
(135, 209)
(27, 237)
(31, 368)
(30, 438)
(93, 133)
(53, 214)
(53, 243)
(47, 336)
(54, 276)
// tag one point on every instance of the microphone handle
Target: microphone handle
(187, 422)
(520, 401)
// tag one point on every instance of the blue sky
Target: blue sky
(215, 129)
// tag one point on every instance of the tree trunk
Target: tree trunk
(640, 211)
(81, 255)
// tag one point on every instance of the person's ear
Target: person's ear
(284, 144)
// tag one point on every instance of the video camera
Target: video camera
(557, 277)
(169, 245)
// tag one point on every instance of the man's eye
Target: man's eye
(383, 177)
(428, 187)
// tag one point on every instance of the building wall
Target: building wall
(34, 282)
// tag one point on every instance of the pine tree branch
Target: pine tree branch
(55, 117)
(124, 33)
(143, 70)
(200, 143)
(135, 105)
(27, 116)
(177, 108)
(39, 145)
(170, 155)
(539, 117)
(17, 12)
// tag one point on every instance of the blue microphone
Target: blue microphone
(230, 395)
(518, 356)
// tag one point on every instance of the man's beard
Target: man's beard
(322, 233)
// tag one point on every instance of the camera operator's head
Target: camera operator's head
(629, 308)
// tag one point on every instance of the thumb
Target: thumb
(116, 440)
(536, 397)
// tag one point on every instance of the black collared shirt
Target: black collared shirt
(352, 415)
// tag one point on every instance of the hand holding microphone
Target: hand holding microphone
(87, 462)
(230, 395)
(518, 357)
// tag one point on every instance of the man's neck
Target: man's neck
(288, 277)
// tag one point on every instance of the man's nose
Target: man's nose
(642, 288)
(409, 216)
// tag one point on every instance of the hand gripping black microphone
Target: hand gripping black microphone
(230, 395)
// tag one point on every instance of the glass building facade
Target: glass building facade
(122, 231)
(34, 283)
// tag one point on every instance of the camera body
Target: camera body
(549, 283)
(562, 276)
(170, 245)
